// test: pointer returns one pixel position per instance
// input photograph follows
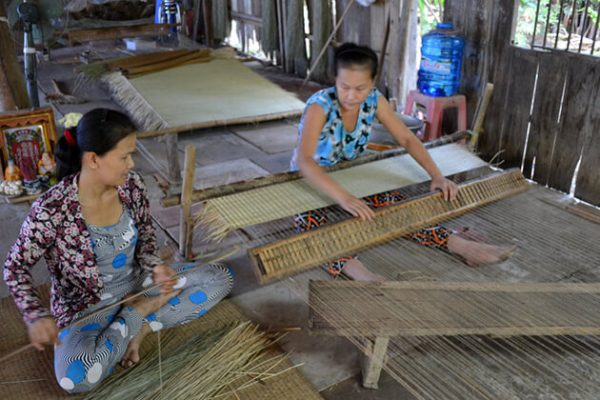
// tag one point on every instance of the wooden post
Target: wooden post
(174, 173)
(281, 29)
(186, 226)
(480, 114)
(13, 94)
(373, 361)
(403, 78)
(196, 20)
(208, 29)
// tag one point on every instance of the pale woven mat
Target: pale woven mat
(193, 95)
(281, 200)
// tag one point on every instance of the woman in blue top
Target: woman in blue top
(336, 126)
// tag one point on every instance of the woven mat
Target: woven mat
(30, 374)
(219, 92)
(224, 214)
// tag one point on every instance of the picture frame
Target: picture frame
(25, 136)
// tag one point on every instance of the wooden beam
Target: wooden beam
(395, 308)
(373, 361)
(254, 20)
(217, 123)
(87, 35)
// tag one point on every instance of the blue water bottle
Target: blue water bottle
(441, 59)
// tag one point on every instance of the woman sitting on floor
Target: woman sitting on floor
(335, 126)
(95, 232)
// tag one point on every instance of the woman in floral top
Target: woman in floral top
(94, 230)
(336, 126)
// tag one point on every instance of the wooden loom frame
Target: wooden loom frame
(237, 187)
(376, 347)
(189, 196)
(306, 250)
(374, 359)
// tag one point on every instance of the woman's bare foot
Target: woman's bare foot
(356, 270)
(476, 254)
(132, 354)
(144, 306)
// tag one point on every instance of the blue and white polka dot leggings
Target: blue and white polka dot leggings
(90, 349)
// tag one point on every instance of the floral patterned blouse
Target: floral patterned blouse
(55, 229)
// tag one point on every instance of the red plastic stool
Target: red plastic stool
(434, 111)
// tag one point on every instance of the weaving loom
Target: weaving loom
(252, 207)
(493, 362)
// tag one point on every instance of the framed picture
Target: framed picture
(25, 136)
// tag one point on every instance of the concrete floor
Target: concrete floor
(224, 155)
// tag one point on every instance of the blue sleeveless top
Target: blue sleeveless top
(335, 144)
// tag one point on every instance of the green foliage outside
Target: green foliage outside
(430, 13)
(573, 19)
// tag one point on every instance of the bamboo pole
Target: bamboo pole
(480, 114)
(219, 122)
(186, 227)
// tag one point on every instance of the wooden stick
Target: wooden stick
(186, 228)
(480, 115)
(14, 353)
(326, 45)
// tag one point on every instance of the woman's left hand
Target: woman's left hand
(164, 275)
(446, 186)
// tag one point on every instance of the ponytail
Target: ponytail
(68, 158)
(98, 131)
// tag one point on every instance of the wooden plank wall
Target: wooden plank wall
(247, 14)
(362, 25)
(544, 115)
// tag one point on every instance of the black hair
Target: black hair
(99, 131)
(349, 55)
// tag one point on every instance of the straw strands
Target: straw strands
(351, 308)
(211, 366)
(222, 215)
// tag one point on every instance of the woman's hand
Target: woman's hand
(446, 186)
(164, 275)
(42, 332)
(357, 207)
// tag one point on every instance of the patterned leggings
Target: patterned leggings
(435, 236)
(90, 348)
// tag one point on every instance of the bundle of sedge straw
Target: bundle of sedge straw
(215, 365)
